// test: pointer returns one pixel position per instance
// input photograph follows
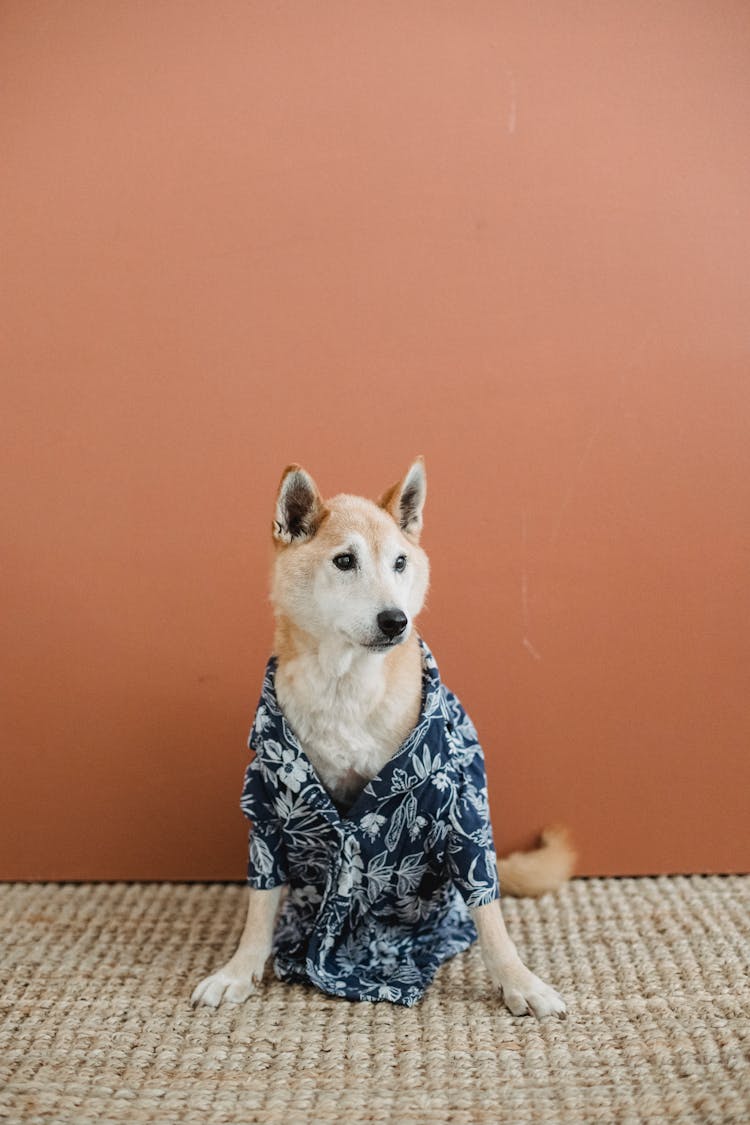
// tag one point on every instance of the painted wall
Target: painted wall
(514, 238)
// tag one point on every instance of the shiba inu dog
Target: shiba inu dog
(368, 776)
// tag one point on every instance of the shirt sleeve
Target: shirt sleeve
(471, 851)
(266, 863)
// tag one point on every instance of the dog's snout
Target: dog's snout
(392, 622)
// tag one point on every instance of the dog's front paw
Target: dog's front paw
(525, 994)
(232, 984)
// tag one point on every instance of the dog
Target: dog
(367, 792)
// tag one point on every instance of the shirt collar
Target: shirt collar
(278, 749)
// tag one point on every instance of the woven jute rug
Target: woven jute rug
(96, 1024)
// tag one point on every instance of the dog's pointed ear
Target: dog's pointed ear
(405, 500)
(299, 508)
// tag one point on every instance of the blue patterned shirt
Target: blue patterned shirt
(378, 896)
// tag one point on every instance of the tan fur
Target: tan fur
(530, 874)
(351, 702)
(350, 708)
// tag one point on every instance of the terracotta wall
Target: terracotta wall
(513, 237)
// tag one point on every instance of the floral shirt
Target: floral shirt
(378, 896)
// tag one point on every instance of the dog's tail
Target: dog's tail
(530, 874)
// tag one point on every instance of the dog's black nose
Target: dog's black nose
(392, 622)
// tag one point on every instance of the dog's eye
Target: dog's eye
(400, 564)
(345, 562)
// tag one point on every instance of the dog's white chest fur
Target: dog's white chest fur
(347, 721)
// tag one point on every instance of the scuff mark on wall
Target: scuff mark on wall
(570, 491)
(526, 643)
(513, 108)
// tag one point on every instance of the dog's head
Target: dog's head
(348, 567)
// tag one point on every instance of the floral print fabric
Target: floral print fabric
(378, 896)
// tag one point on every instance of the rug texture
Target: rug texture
(96, 1023)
